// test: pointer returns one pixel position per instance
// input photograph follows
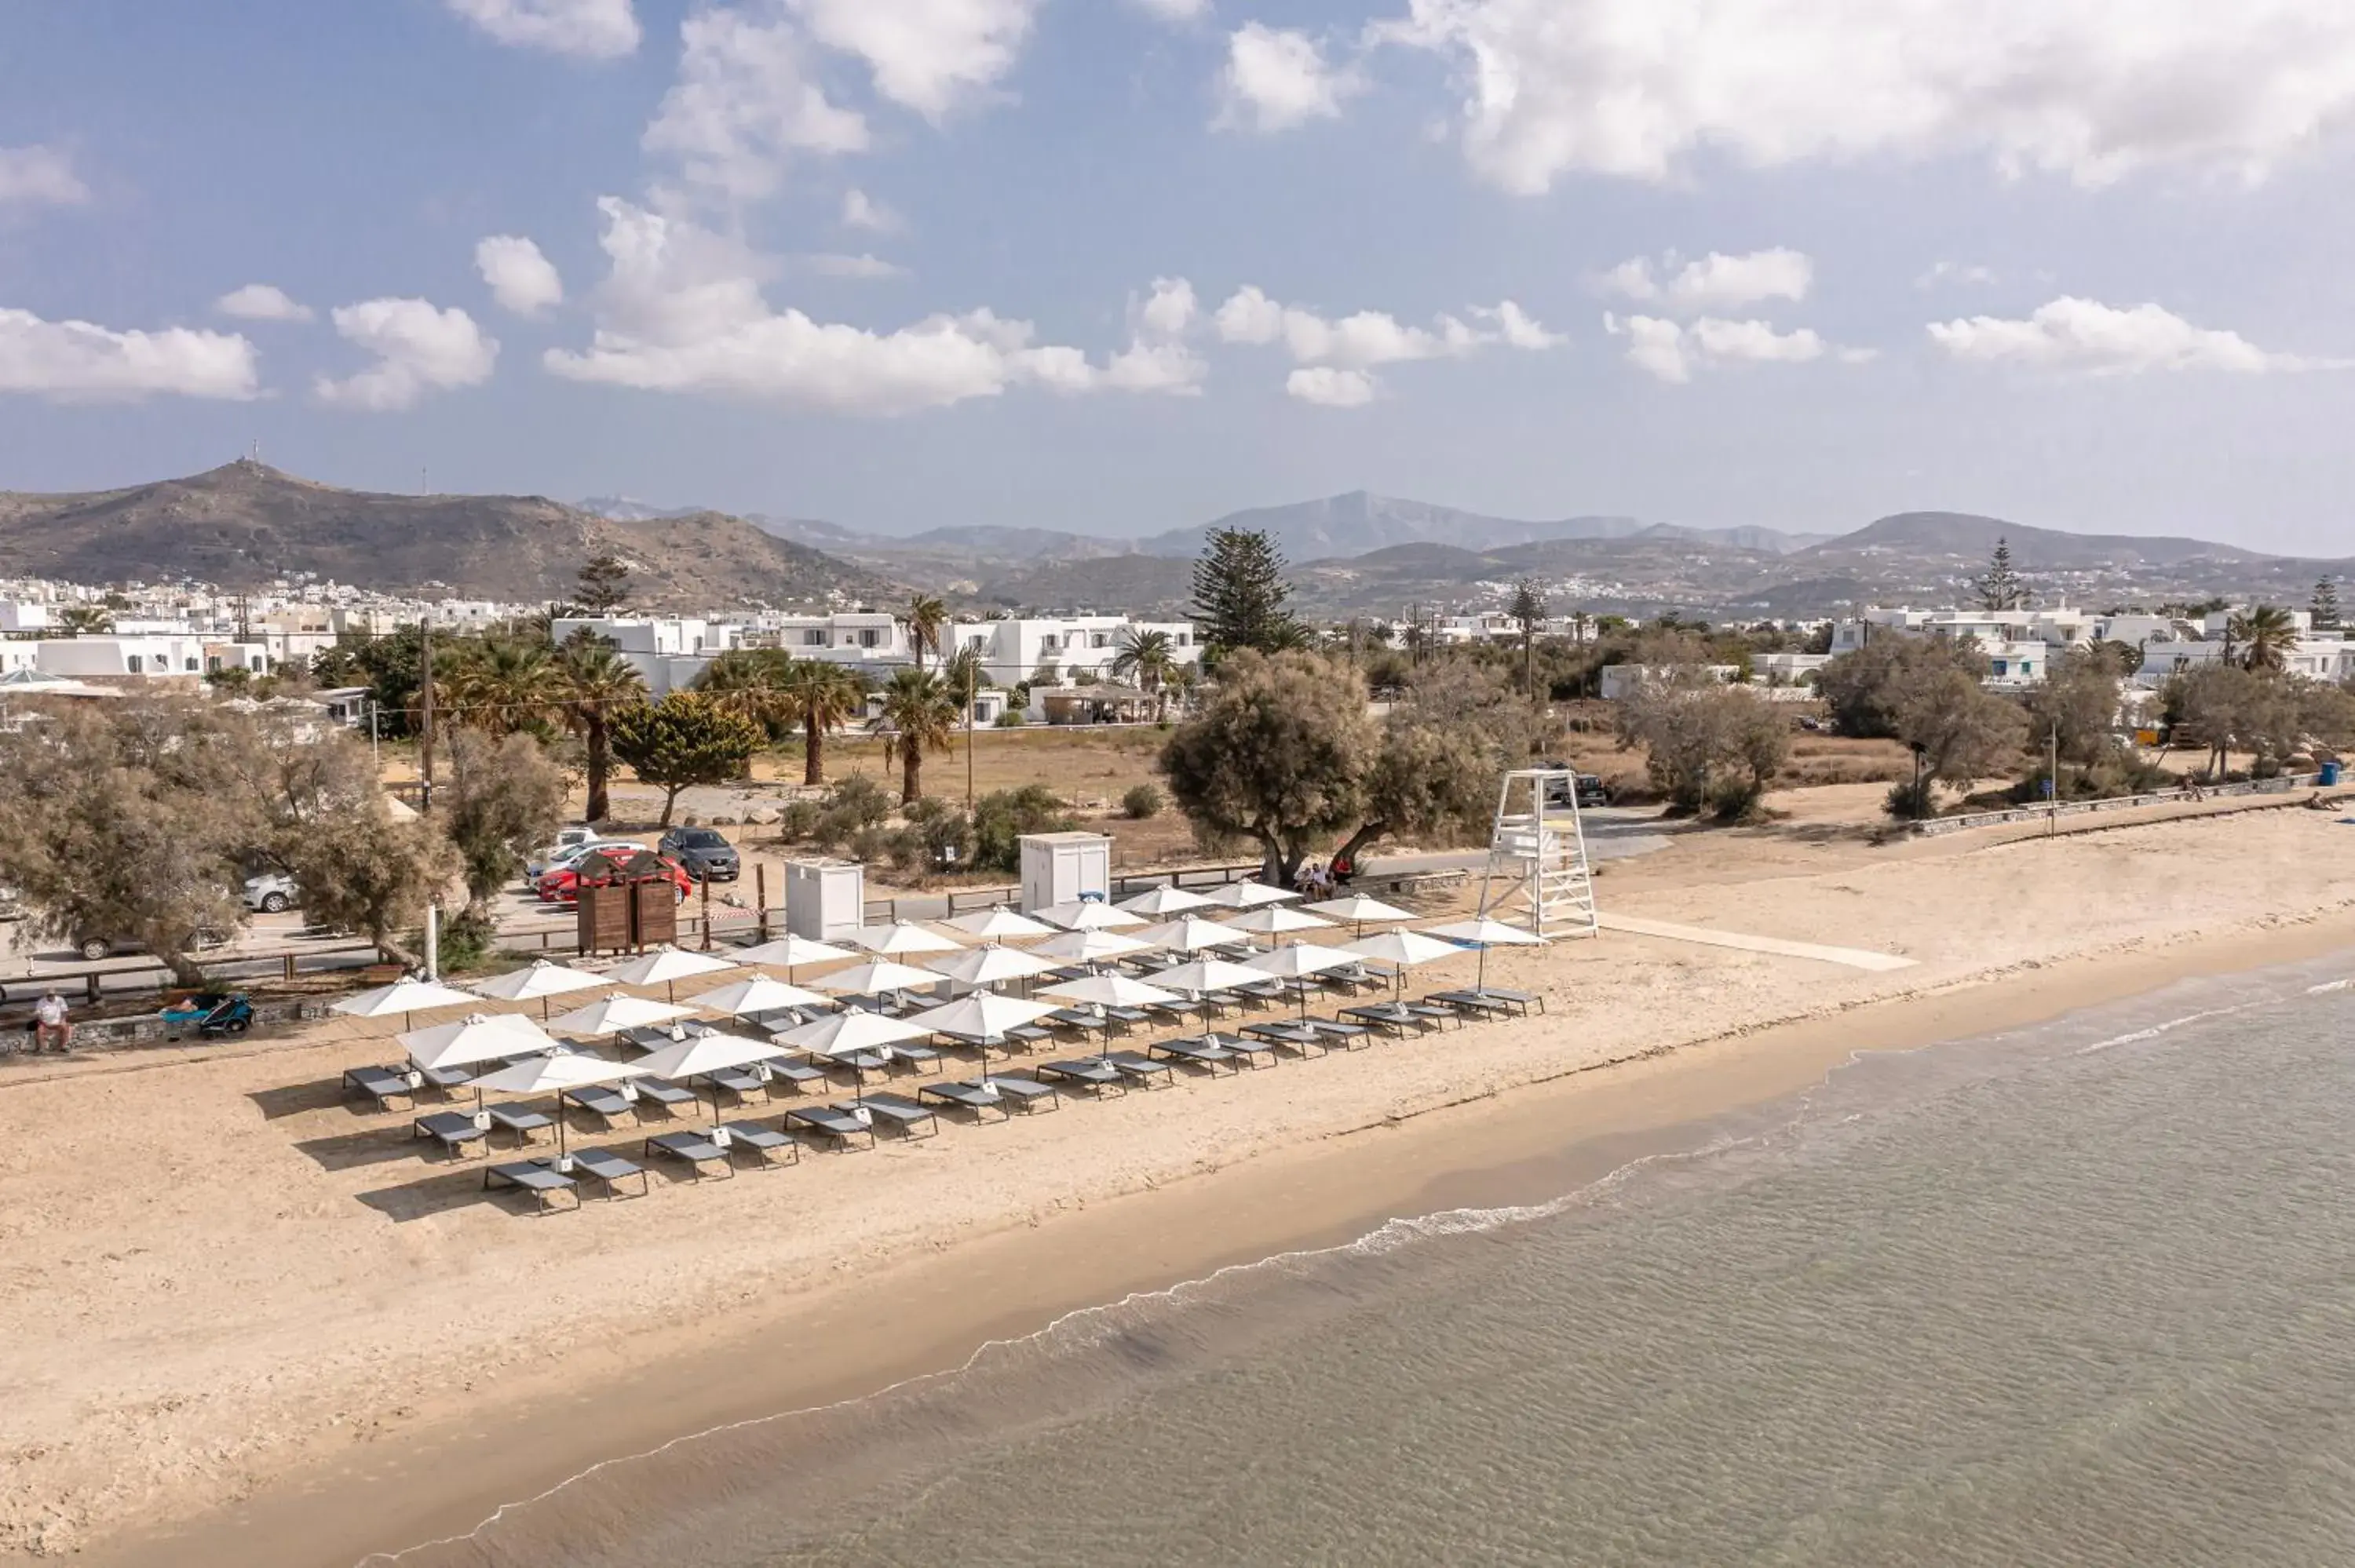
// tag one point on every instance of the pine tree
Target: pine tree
(1240, 593)
(2001, 588)
(2326, 604)
(604, 585)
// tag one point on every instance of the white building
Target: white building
(1017, 649)
(149, 656)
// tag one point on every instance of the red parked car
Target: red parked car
(562, 885)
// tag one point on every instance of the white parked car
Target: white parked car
(271, 893)
(555, 856)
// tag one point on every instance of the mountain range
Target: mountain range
(245, 524)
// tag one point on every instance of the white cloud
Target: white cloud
(2085, 335)
(1330, 388)
(862, 211)
(1158, 358)
(39, 176)
(2092, 91)
(1959, 272)
(1715, 282)
(1174, 11)
(262, 302)
(1276, 79)
(520, 278)
(592, 29)
(743, 104)
(830, 264)
(418, 349)
(1371, 338)
(931, 56)
(683, 312)
(75, 361)
(1672, 352)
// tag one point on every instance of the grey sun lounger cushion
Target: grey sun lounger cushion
(535, 1179)
(610, 1167)
(1396, 1020)
(968, 1097)
(1292, 1035)
(648, 1037)
(1095, 1075)
(521, 1120)
(904, 1114)
(446, 1078)
(1472, 1002)
(1139, 1068)
(382, 1084)
(452, 1130)
(1332, 1029)
(1080, 1019)
(1196, 1052)
(833, 1122)
(694, 1148)
(765, 1143)
(599, 1100)
(1028, 1093)
(668, 1096)
(794, 1075)
(741, 1082)
(1244, 1048)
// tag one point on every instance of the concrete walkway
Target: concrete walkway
(1851, 958)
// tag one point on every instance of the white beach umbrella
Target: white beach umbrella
(1091, 947)
(901, 939)
(985, 1016)
(1110, 990)
(846, 1034)
(1298, 961)
(758, 994)
(1360, 911)
(1484, 934)
(703, 1051)
(999, 924)
(480, 1037)
(992, 965)
(537, 1076)
(789, 953)
(873, 978)
(1192, 934)
(1088, 915)
(612, 1013)
(402, 998)
(1250, 896)
(1275, 920)
(668, 966)
(1162, 902)
(538, 981)
(1401, 949)
(1208, 974)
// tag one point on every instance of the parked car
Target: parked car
(706, 854)
(271, 893)
(1589, 788)
(11, 902)
(93, 947)
(562, 885)
(566, 850)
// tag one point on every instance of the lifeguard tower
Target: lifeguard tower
(1538, 874)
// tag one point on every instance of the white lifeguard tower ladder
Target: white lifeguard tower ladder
(1538, 874)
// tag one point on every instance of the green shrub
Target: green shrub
(1012, 719)
(1000, 819)
(799, 820)
(1141, 802)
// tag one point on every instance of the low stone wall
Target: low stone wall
(2286, 784)
(147, 1029)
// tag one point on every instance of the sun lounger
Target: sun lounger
(696, 1150)
(668, 1096)
(915, 1056)
(1139, 1069)
(382, 1084)
(1440, 1017)
(1522, 999)
(452, 1130)
(446, 1079)
(794, 1076)
(1474, 1003)
(833, 1122)
(1184, 1009)
(535, 1179)
(604, 1165)
(1028, 1093)
(1350, 1036)
(1197, 1054)
(1023, 1034)
(968, 1097)
(1245, 1050)
(648, 1037)
(765, 1143)
(520, 1120)
(600, 1101)
(859, 1063)
(906, 1115)
(1390, 1018)
(1095, 1075)
(778, 1020)
(1297, 1036)
(1084, 1020)
(741, 1082)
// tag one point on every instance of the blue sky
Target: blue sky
(1122, 265)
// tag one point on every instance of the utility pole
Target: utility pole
(425, 710)
(2052, 783)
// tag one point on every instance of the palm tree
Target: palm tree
(1146, 658)
(501, 687)
(2266, 635)
(962, 675)
(86, 621)
(598, 683)
(751, 682)
(926, 616)
(820, 696)
(920, 714)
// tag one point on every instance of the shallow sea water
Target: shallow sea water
(2081, 1294)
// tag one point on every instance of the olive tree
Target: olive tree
(1707, 745)
(503, 796)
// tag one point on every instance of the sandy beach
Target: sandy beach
(252, 1322)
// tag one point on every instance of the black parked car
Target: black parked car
(702, 853)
